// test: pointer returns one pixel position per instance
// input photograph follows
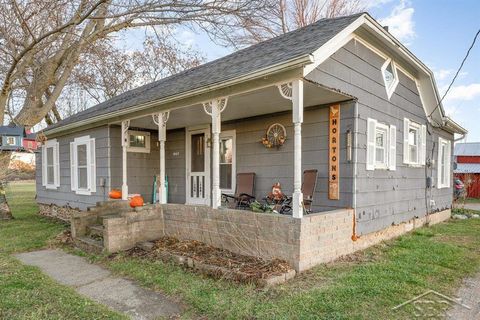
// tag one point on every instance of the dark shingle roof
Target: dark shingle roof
(12, 131)
(272, 52)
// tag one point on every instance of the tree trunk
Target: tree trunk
(5, 213)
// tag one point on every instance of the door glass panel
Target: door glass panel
(226, 176)
(198, 152)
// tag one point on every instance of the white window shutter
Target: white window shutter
(56, 164)
(371, 129)
(406, 128)
(392, 155)
(44, 165)
(93, 167)
(73, 167)
(448, 164)
(423, 146)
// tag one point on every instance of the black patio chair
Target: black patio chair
(308, 189)
(244, 190)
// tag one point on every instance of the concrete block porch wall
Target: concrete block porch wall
(304, 243)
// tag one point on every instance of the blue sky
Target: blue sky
(438, 32)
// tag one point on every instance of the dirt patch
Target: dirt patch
(456, 239)
(63, 238)
(215, 262)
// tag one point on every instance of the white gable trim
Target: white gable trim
(425, 80)
(332, 45)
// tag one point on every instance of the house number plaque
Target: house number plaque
(334, 152)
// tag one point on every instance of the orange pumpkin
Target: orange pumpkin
(115, 194)
(136, 201)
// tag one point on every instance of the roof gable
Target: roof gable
(308, 47)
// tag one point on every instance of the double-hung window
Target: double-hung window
(227, 161)
(443, 167)
(50, 164)
(82, 163)
(414, 143)
(381, 145)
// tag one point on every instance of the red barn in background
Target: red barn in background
(29, 142)
(467, 159)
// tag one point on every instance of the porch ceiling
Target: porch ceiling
(259, 102)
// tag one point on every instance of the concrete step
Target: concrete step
(96, 230)
(89, 244)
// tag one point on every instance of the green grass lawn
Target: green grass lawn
(25, 293)
(365, 286)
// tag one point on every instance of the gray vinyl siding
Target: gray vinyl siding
(384, 197)
(272, 165)
(141, 167)
(64, 196)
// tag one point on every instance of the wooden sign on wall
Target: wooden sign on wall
(334, 152)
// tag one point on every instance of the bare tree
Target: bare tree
(5, 212)
(288, 15)
(42, 41)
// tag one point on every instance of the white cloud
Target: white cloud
(400, 22)
(442, 74)
(375, 3)
(464, 92)
(186, 37)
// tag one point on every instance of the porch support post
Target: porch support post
(294, 92)
(161, 120)
(125, 126)
(215, 108)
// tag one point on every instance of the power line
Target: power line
(457, 73)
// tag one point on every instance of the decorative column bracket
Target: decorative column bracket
(125, 127)
(160, 120)
(214, 108)
(285, 90)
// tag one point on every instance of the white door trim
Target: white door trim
(207, 189)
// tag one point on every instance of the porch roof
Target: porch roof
(293, 47)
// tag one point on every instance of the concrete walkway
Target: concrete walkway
(99, 285)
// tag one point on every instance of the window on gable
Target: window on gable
(50, 165)
(227, 161)
(381, 145)
(414, 143)
(82, 164)
(138, 141)
(443, 167)
(390, 77)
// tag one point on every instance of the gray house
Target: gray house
(347, 99)
(11, 138)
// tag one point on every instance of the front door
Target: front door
(198, 166)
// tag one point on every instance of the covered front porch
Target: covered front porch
(197, 150)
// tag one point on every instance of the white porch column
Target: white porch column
(161, 120)
(125, 125)
(294, 92)
(215, 108)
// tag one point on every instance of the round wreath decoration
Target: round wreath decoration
(275, 136)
